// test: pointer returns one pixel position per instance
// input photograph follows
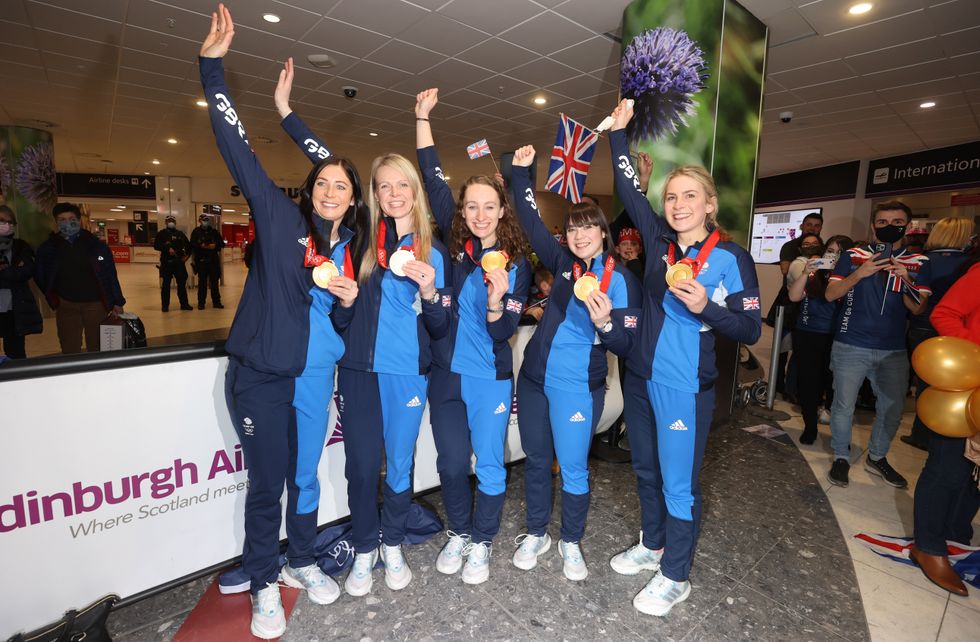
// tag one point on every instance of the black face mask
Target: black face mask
(810, 251)
(890, 233)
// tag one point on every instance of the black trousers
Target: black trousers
(207, 276)
(13, 343)
(814, 382)
(177, 272)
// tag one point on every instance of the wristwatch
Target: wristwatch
(498, 308)
(432, 299)
(606, 328)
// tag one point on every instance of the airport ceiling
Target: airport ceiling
(115, 79)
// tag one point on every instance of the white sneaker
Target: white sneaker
(824, 416)
(529, 547)
(268, 618)
(319, 586)
(397, 572)
(477, 567)
(574, 566)
(359, 579)
(636, 558)
(660, 595)
(450, 558)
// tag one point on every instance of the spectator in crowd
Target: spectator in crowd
(630, 250)
(206, 243)
(946, 495)
(945, 250)
(813, 336)
(77, 275)
(878, 284)
(174, 249)
(543, 280)
(19, 314)
(812, 224)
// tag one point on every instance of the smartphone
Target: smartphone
(825, 263)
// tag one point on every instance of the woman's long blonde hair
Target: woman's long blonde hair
(954, 231)
(420, 212)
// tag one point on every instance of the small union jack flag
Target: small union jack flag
(750, 303)
(515, 306)
(447, 300)
(570, 159)
(478, 149)
(629, 321)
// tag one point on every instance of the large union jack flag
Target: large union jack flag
(570, 159)
(964, 559)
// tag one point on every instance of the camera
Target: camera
(349, 91)
(786, 116)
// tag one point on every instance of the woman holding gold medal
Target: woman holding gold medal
(696, 280)
(472, 373)
(594, 307)
(383, 377)
(282, 345)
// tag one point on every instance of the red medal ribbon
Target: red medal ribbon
(702, 257)
(607, 270)
(382, 252)
(312, 259)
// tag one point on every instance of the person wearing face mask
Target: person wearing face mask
(403, 309)
(472, 375)
(77, 275)
(697, 281)
(19, 314)
(813, 334)
(174, 249)
(206, 242)
(877, 285)
(282, 344)
(594, 308)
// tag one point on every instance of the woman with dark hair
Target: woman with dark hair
(282, 345)
(697, 282)
(594, 307)
(403, 309)
(19, 314)
(813, 335)
(472, 374)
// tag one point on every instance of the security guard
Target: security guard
(174, 249)
(207, 244)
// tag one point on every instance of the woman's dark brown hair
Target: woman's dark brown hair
(816, 287)
(585, 213)
(510, 235)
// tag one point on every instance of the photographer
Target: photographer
(174, 249)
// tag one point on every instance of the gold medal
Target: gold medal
(493, 260)
(677, 272)
(398, 260)
(584, 287)
(323, 273)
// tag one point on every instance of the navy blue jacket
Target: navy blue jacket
(388, 310)
(17, 278)
(940, 271)
(473, 346)
(566, 351)
(676, 347)
(100, 258)
(271, 330)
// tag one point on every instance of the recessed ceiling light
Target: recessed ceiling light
(859, 8)
(115, 209)
(122, 207)
(448, 177)
(201, 103)
(540, 100)
(270, 17)
(110, 219)
(372, 133)
(147, 173)
(928, 104)
(322, 61)
(172, 141)
(155, 161)
(227, 209)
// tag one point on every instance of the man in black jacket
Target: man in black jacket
(207, 243)
(19, 314)
(174, 249)
(77, 275)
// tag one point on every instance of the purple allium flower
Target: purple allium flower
(5, 176)
(661, 71)
(35, 175)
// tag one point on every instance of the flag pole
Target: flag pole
(497, 169)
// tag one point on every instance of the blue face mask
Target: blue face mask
(70, 228)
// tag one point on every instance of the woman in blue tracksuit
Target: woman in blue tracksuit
(402, 307)
(561, 388)
(472, 374)
(669, 386)
(282, 345)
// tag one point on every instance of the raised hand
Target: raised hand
(524, 156)
(218, 40)
(425, 101)
(283, 88)
(622, 115)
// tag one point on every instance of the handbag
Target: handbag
(88, 624)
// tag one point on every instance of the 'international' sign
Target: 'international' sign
(944, 168)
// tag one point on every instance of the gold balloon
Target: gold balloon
(948, 363)
(973, 410)
(945, 412)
